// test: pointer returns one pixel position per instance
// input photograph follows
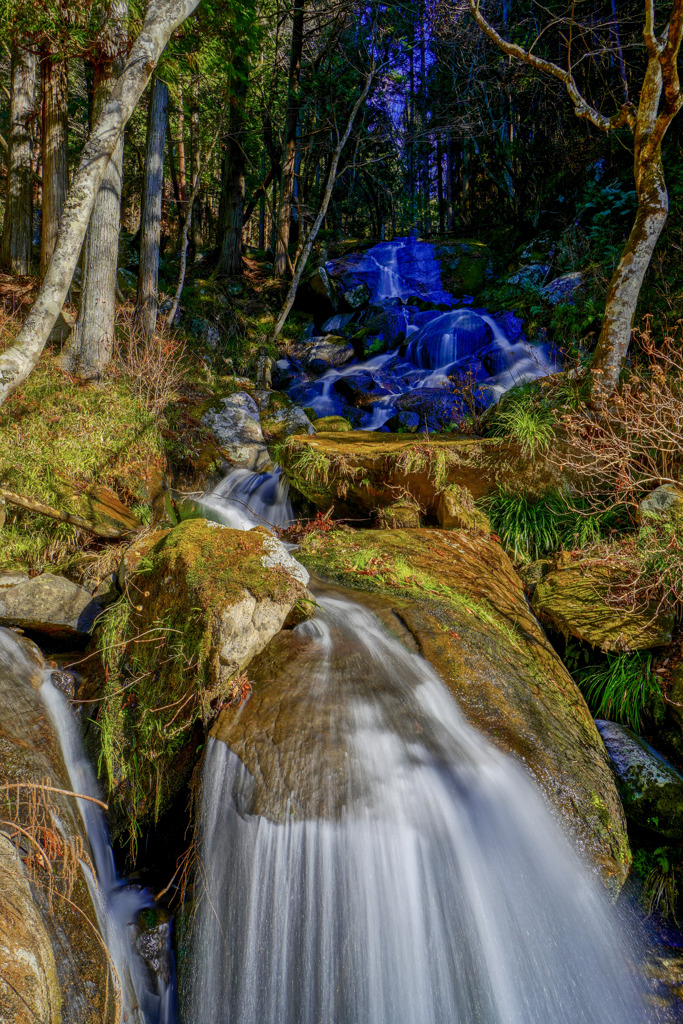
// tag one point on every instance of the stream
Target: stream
(425, 880)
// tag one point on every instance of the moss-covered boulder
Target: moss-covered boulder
(575, 600)
(457, 595)
(201, 602)
(362, 471)
(52, 964)
(651, 789)
(280, 417)
(466, 266)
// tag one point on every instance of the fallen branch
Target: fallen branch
(33, 505)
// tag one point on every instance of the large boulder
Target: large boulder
(575, 600)
(454, 597)
(435, 408)
(209, 598)
(51, 606)
(322, 354)
(360, 472)
(651, 788)
(665, 502)
(235, 423)
(564, 289)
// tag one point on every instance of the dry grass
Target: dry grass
(153, 368)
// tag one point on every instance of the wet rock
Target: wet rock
(362, 388)
(456, 511)
(383, 331)
(404, 423)
(322, 354)
(332, 424)
(564, 289)
(359, 472)
(533, 572)
(50, 605)
(64, 682)
(457, 595)
(213, 597)
(466, 266)
(29, 989)
(532, 276)
(356, 298)
(153, 943)
(651, 788)
(574, 600)
(337, 323)
(435, 407)
(236, 426)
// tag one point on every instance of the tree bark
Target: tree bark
(195, 161)
(150, 228)
(17, 229)
(161, 19)
(232, 206)
(91, 345)
(289, 161)
(55, 114)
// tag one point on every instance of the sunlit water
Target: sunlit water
(440, 891)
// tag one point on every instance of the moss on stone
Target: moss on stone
(458, 595)
(165, 668)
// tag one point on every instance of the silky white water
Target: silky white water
(117, 904)
(243, 500)
(443, 891)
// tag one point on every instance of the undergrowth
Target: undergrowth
(622, 688)
(532, 527)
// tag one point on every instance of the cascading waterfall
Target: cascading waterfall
(244, 500)
(425, 882)
(117, 904)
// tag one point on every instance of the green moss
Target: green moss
(385, 562)
(163, 677)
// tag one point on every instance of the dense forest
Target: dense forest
(341, 512)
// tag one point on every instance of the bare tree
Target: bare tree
(660, 100)
(91, 344)
(161, 20)
(15, 246)
(150, 227)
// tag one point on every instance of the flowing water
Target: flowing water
(244, 500)
(456, 339)
(424, 882)
(146, 999)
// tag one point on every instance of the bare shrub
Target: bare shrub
(153, 366)
(628, 441)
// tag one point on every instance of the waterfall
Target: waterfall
(116, 903)
(244, 500)
(424, 883)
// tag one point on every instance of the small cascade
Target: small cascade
(390, 285)
(244, 500)
(423, 881)
(146, 1000)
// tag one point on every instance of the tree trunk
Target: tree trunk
(17, 230)
(195, 162)
(150, 228)
(55, 150)
(439, 184)
(289, 161)
(92, 342)
(627, 280)
(230, 227)
(161, 19)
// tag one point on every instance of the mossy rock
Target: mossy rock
(466, 266)
(360, 471)
(332, 425)
(456, 511)
(459, 598)
(574, 600)
(202, 601)
(651, 789)
(401, 515)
